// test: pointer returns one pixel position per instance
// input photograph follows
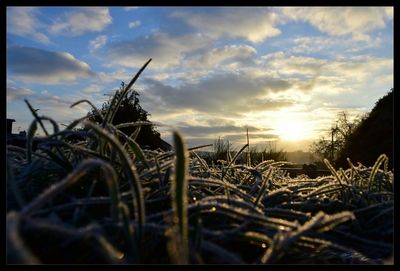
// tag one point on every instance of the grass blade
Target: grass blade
(135, 148)
(125, 91)
(179, 198)
(92, 105)
(375, 168)
(263, 188)
(82, 169)
(17, 251)
(131, 174)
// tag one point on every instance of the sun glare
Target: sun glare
(291, 130)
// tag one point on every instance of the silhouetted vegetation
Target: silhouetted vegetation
(373, 136)
(329, 146)
(257, 156)
(363, 139)
(224, 151)
(130, 111)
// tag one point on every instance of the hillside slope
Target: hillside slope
(373, 136)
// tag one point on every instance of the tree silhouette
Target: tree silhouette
(339, 134)
(131, 111)
(361, 140)
(373, 136)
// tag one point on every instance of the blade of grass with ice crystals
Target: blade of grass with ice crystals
(55, 159)
(224, 171)
(233, 161)
(165, 179)
(355, 170)
(113, 255)
(82, 169)
(333, 171)
(135, 148)
(344, 175)
(218, 183)
(77, 121)
(263, 186)
(127, 88)
(12, 181)
(29, 138)
(320, 222)
(386, 165)
(135, 124)
(160, 178)
(109, 109)
(260, 238)
(201, 161)
(33, 111)
(135, 133)
(17, 251)
(179, 196)
(55, 125)
(128, 230)
(92, 105)
(199, 147)
(168, 154)
(131, 174)
(248, 158)
(375, 168)
(264, 163)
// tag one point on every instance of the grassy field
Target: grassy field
(106, 200)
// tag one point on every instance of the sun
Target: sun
(291, 130)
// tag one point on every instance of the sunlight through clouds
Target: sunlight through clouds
(285, 71)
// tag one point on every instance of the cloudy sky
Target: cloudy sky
(282, 72)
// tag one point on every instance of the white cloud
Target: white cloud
(342, 69)
(130, 8)
(333, 45)
(166, 51)
(289, 64)
(93, 88)
(117, 75)
(389, 12)
(14, 93)
(24, 22)
(359, 68)
(228, 53)
(45, 67)
(97, 43)
(339, 21)
(134, 24)
(253, 23)
(82, 20)
(227, 94)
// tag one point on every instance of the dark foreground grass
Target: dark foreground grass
(106, 200)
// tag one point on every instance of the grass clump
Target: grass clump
(106, 200)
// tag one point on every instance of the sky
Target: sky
(283, 73)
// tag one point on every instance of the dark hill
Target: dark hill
(373, 136)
